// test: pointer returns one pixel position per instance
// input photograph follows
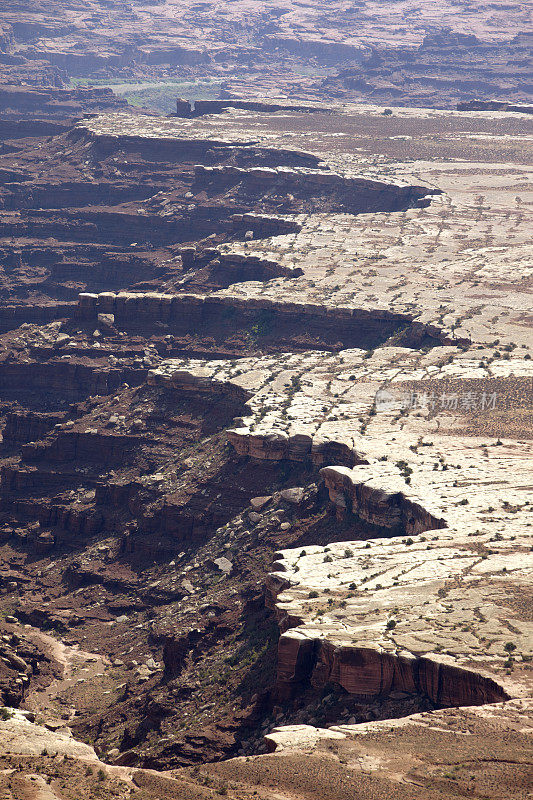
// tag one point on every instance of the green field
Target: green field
(155, 96)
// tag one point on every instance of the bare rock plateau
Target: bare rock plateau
(266, 395)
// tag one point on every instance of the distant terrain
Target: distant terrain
(266, 392)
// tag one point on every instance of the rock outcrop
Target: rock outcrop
(27, 102)
(354, 194)
(362, 492)
(378, 648)
(213, 315)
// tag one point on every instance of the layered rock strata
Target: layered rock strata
(384, 645)
(185, 314)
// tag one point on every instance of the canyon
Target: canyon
(265, 402)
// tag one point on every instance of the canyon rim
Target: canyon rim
(266, 395)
